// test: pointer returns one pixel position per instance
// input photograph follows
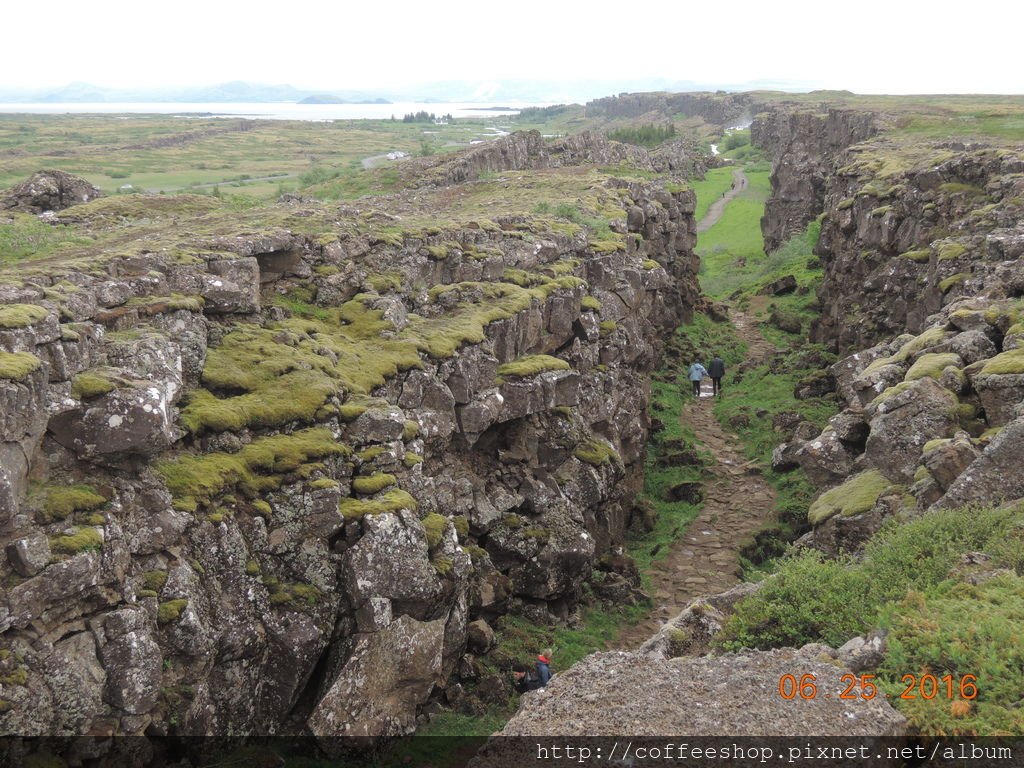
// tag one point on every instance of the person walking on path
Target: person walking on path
(696, 375)
(716, 370)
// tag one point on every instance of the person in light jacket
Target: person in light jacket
(716, 370)
(696, 375)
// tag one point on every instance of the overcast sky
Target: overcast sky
(868, 46)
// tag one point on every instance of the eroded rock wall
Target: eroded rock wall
(263, 481)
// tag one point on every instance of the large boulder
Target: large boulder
(826, 459)
(379, 687)
(1000, 385)
(616, 692)
(902, 420)
(49, 190)
(995, 476)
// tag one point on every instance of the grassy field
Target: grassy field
(731, 250)
(715, 183)
(166, 153)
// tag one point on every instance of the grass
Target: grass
(59, 502)
(716, 182)
(734, 238)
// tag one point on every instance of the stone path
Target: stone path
(739, 183)
(737, 501)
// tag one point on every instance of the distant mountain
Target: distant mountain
(322, 98)
(486, 92)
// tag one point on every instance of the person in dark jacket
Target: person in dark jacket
(716, 370)
(538, 677)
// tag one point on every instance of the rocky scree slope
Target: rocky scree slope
(260, 468)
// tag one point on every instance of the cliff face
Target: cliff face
(259, 469)
(805, 146)
(718, 108)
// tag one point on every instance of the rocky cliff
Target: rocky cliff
(261, 467)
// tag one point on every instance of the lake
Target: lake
(274, 110)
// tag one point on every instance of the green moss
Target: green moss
(531, 365)
(1010, 362)
(948, 251)
(374, 483)
(293, 595)
(590, 304)
(154, 580)
(919, 256)
(952, 280)
(385, 282)
(608, 327)
(323, 483)
(252, 568)
(931, 445)
(369, 454)
(437, 252)
(512, 520)
(921, 474)
(461, 526)
(881, 210)
(146, 593)
(21, 315)
(170, 610)
(650, 264)
(389, 501)
(81, 540)
(476, 554)
(155, 305)
(95, 382)
(538, 534)
(442, 564)
(262, 509)
(17, 366)
(61, 501)
(194, 479)
(856, 495)
(326, 270)
(596, 452)
(932, 365)
(434, 525)
(410, 430)
(412, 459)
(18, 676)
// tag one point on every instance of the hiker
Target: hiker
(696, 375)
(538, 677)
(716, 370)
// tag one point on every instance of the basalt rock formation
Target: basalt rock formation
(49, 191)
(260, 468)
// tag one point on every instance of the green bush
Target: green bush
(811, 599)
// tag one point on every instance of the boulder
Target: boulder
(851, 427)
(378, 689)
(479, 637)
(49, 190)
(948, 460)
(1000, 394)
(903, 421)
(29, 555)
(995, 476)
(784, 456)
(133, 419)
(131, 658)
(826, 459)
(677, 696)
(865, 652)
(785, 284)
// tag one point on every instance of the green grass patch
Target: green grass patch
(59, 502)
(14, 316)
(716, 182)
(80, 540)
(389, 501)
(373, 483)
(531, 365)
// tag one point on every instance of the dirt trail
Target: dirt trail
(737, 501)
(739, 183)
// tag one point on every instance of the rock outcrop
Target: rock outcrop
(262, 470)
(49, 190)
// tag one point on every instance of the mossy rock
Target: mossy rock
(434, 525)
(412, 459)
(258, 467)
(411, 430)
(650, 264)
(293, 595)
(323, 484)
(94, 383)
(18, 366)
(13, 316)
(590, 304)
(389, 501)
(919, 256)
(596, 453)
(81, 540)
(953, 280)
(170, 610)
(931, 365)
(62, 501)
(531, 365)
(948, 251)
(608, 327)
(252, 568)
(154, 580)
(374, 483)
(855, 496)
(262, 509)
(1010, 362)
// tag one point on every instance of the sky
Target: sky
(867, 46)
